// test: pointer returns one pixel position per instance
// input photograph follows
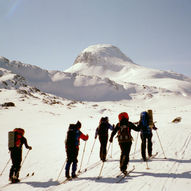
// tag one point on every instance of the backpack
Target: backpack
(71, 135)
(124, 132)
(14, 138)
(103, 127)
(145, 122)
(150, 116)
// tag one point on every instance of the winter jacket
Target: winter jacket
(75, 141)
(108, 126)
(80, 135)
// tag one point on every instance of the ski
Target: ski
(66, 180)
(119, 175)
(70, 179)
(27, 176)
(124, 175)
(153, 156)
(23, 178)
(91, 166)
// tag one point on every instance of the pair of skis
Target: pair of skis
(67, 180)
(122, 175)
(153, 156)
(81, 172)
(128, 172)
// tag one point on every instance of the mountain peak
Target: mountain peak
(101, 54)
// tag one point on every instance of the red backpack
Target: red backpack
(15, 137)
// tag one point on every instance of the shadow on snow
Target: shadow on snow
(41, 184)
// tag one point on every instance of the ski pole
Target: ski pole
(82, 157)
(91, 151)
(111, 149)
(5, 166)
(147, 166)
(61, 170)
(25, 157)
(108, 149)
(161, 145)
(136, 144)
(103, 162)
(101, 170)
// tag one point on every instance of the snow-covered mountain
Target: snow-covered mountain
(101, 73)
(107, 61)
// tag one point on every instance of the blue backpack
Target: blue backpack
(145, 123)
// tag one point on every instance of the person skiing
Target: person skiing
(146, 134)
(102, 132)
(72, 147)
(124, 138)
(16, 154)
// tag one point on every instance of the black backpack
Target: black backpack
(124, 132)
(103, 129)
(71, 136)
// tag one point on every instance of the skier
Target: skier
(102, 131)
(146, 134)
(124, 138)
(16, 154)
(72, 147)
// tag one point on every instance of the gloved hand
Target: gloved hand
(30, 148)
(155, 128)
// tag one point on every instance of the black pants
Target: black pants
(124, 159)
(146, 141)
(103, 147)
(72, 154)
(16, 157)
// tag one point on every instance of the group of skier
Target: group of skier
(74, 134)
(123, 128)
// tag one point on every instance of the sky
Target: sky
(52, 33)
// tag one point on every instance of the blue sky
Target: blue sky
(51, 33)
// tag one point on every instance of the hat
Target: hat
(20, 131)
(78, 124)
(123, 115)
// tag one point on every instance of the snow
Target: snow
(46, 117)
(46, 125)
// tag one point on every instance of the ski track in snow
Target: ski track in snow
(168, 171)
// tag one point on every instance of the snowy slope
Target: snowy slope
(46, 124)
